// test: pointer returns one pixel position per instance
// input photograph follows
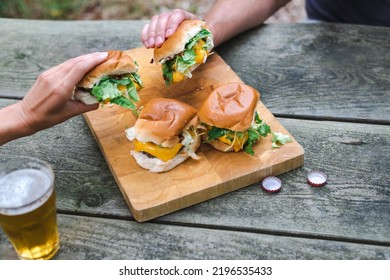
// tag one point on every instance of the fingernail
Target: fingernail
(151, 41)
(103, 54)
(169, 32)
(159, 41)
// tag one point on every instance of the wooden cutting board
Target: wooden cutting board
(150, 195)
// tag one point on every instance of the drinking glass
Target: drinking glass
(28, 207)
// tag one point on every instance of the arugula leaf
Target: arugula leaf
(259, 126)
(216, 132)
(167, 70)
(264, 129)
(258, 129)
(280, 138)
(253, 137)
(257, 118)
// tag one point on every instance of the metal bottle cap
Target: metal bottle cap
(316, 178)
(271, 184)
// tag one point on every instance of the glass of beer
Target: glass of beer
(28, 207)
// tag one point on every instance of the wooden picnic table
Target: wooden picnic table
(328, 84)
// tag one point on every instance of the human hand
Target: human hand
(162, 26)
(48, 102)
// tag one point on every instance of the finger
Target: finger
(81, 66)
(152, 31)
(161, 29)
(144, 35)
(175, 19)
(59, 72)
(73, 108)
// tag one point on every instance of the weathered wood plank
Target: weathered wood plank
(354, 205)
(31, 46)
(86, 238)
(327, 70)
(324, 70)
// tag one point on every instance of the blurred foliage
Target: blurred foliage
(43, 9)
(93, 9)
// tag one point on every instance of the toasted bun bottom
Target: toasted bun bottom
(157, 165)
(216, 144)
(84, 96)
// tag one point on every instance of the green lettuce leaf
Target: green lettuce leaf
(202, 34)
(107, 89)
(280, 138)
(137, 78)
(257, 130)
(185, 60)
(216, 132)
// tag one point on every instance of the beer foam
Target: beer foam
(23, 190)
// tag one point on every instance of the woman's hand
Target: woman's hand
(49, 102)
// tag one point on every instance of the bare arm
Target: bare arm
(48, 102)
(227, 18)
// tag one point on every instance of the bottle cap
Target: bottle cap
(316, 178)
(271, 184)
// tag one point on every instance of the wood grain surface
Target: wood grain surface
(91, 238)
(328, 85)
(150, 195)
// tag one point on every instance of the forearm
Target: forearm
(228, 18)
(12, 124)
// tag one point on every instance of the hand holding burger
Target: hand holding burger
(186, 49)
(49, 100)
(113, 81)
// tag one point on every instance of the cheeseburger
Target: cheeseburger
(230, 119)
(186, 49)
(113, 81)
(164, 135)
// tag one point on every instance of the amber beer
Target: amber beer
(28, 208)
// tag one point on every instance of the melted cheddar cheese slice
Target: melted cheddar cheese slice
(177, 77)
(199, 52)
(238, 142)
(164, 154)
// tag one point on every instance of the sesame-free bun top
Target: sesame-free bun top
(176, 42)
(162, 120)
(117, 63)
(230, 106)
